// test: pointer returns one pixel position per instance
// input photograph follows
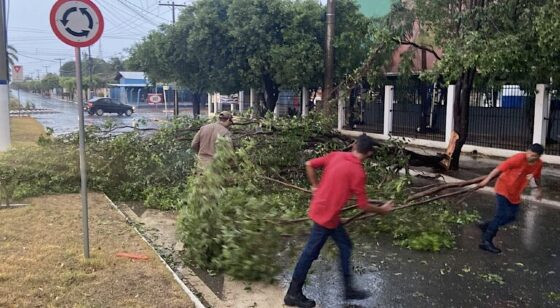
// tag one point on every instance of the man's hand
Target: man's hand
(538, 194)
(386, 208)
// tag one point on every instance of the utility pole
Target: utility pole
(5, 138)
(175, 96)
(329, 54)
(59, 65)
(46, 69)
(172, 5)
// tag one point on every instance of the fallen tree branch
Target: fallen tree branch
(364, 215)
(444, 187)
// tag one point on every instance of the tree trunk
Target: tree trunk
(463, 91)
(271, 92)
(196, 104)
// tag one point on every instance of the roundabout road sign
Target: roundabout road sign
(78, 23)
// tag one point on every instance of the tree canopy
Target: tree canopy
(230, 45)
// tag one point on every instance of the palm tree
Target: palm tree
(12, 55)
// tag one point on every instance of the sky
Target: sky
(126, 22)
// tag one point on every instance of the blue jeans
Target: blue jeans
(505, 213)
(317, 239)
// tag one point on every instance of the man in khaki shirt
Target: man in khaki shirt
(204, 142)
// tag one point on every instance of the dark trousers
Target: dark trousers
(317, 239)
(505, 213)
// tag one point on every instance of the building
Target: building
(130, 89)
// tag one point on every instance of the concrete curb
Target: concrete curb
(197, 302)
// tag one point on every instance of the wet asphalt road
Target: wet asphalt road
(462, 277)
(65, 118)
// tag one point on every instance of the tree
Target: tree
(547, 27)
(69, 84)
(215, 46)
(49, 82)
(12, 55)
(486, 40)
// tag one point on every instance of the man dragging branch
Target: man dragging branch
(343, 176)
(515, 174)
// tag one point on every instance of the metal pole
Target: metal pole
(173, 6)
(5, 139)
(176, 102)
(83, 165)
(90, 64)
(329, 53)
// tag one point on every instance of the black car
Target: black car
(101, 105)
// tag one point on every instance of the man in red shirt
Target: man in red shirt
(343, 177)
(515, 174)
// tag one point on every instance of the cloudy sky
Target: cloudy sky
(126, 22)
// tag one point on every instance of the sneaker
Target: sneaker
(352, 293)
(298, 300)
(488, 246)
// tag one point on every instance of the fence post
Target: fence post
(253, 98)
(217, 102)
(241, 101)
(341, 115)
(276, 111)
(449, 122)
(542, 111)
(304, 101)
(209, 99)
(388, 110)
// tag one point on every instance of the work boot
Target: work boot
(351, 293)
(295, 298)
(483, 226)
(488, 246)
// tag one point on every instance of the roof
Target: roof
(132, 75)
(132, 85)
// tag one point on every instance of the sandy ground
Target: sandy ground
(215, 291)
(25, 131)
(42, 264)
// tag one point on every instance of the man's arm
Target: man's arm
(359, 190)
(537, 178)
(195, 145)
(490, 177)
(311, 176)
(310, 167)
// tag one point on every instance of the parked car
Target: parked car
(101, 105)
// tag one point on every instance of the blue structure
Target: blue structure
(130, 89)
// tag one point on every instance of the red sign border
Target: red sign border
(89, 42)
(17, 68)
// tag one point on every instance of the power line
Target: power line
(172, 5)
(138, 13)
(147, 11)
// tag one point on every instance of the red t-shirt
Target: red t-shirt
(343, 176)
(515, 175)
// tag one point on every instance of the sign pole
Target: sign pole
(79, 23)
(83, 164)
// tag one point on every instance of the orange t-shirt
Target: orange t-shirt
(515, 175)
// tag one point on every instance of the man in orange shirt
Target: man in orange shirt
(515, 174)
